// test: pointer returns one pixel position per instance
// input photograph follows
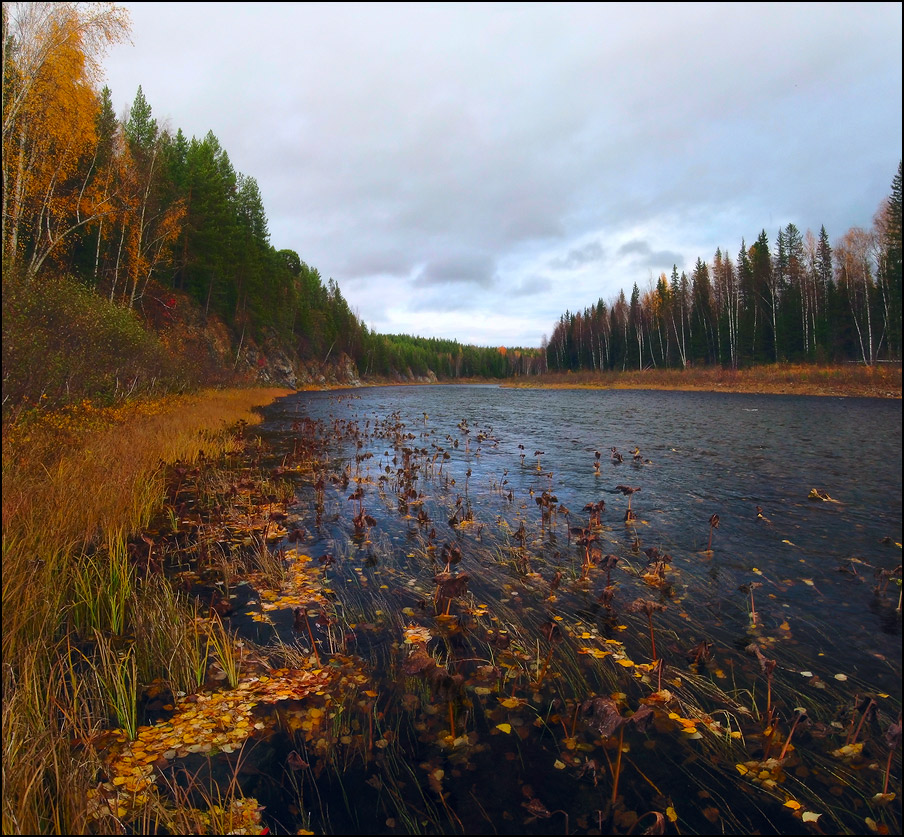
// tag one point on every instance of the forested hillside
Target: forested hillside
(135, 257)
(805, 300)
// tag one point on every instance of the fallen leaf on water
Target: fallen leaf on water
(883, 798)
(809, 816)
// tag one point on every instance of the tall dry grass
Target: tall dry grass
(76, 485)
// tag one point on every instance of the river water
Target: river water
(795, 579)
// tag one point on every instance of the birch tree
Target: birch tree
(51, 55)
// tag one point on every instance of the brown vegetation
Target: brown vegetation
(852, 380)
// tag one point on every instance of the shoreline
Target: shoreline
(822, 381)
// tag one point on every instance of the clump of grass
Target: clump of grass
(171, 647)
(116, 669)
(223, 642)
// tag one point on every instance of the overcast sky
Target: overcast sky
(472, 171)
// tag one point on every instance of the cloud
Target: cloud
(579, 256)
(643, 254)
(459, 269)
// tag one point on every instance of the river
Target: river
(762, 534)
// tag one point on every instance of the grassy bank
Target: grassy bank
(853, 380)
(77, 485)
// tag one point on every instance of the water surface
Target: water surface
(474, 461)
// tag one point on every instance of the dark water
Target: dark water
(817, 565)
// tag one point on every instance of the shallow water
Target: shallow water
(699, 454)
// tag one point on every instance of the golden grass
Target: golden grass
(76, 485)
(880, 381)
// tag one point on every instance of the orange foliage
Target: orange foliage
(49, 139)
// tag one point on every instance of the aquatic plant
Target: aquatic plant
(628, 491)
(748, 589)
(648, 608)
(713, 524)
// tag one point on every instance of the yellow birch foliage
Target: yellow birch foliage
(50, 64)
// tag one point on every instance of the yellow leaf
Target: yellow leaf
(506, 728)
(742, 769)
(671, 813)
(558, 765)
(792, 804)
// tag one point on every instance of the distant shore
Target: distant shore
(852, 380)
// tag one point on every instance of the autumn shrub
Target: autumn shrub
(63, 343)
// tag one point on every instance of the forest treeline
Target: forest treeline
(112, 225)
(803, 300)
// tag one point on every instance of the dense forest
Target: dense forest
(117, 232)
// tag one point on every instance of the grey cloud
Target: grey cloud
(463, 269)
(643, 254)
(579, 256)
(531, 286)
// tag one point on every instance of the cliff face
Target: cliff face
(272, 363)
(216, 355)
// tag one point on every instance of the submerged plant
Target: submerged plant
(648, 608)
(748, 589)
(800, 714)
(713, 524)
(628, 491)
(538, 809)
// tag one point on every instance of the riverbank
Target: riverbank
(84, 620)
(881, 381)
